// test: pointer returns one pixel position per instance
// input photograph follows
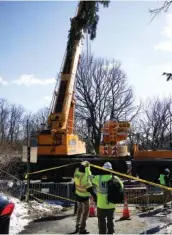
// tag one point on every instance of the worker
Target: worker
(166, 181)
(105, 209)
(73, 191)
(83, 192)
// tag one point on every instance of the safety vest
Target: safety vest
(88, 171)
(162, 179)
(101, 189)
(82, 184)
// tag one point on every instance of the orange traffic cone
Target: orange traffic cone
(126, 213)
(92, 209)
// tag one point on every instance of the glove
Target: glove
(85, 163)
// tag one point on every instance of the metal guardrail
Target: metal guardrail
(137, 195)
(43, 191)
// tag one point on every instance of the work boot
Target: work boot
(76, 231)
(83, 232)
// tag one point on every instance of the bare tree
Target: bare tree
(163, 8)
(40, 118)
(36, 122)
(155, 124)
(4, 113)
(165, 5)
(168, 75)
(102, 93)
(15, 123)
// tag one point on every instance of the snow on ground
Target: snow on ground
(24, 213)
(19, 217)
(169, 221)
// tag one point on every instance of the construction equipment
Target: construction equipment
(57, 144)
(126, 212)
(114, 135)
(149, 164)
(92, 208)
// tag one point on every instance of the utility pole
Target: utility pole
(28, 161)
(170, 133)
(170, 129)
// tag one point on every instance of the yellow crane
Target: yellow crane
(56, 143)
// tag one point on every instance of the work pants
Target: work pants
(105, 227)
(82, 214)
(75, 208)
(166, 195)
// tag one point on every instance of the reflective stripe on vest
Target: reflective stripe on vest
(80, 187)
(81, 184)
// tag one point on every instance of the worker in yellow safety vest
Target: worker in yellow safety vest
(104, 208)
(83, 191)
(73, 191)
(166, 181)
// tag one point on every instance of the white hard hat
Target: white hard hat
(167, 171)
(108, 165)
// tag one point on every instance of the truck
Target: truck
(56, 144)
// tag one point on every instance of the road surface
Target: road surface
(64, 223)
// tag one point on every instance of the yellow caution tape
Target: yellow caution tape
(50, 169)
(132, 177)
(67, 199)
(111, 171)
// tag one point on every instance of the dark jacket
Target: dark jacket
(168, 180)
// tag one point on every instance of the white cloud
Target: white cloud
(164, 46)
(29, 80)
(167, 32)
(48, 98)
(109, 66)
(3, 82)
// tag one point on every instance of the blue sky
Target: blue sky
(33, 40)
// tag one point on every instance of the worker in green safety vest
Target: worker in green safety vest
(166, 181)
(83, 191)
(104, 209)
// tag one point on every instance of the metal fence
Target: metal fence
(10, 185)
(137, 195)
(53, 193)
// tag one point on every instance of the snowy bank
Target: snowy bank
(24, 213)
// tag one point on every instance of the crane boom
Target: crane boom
(57, 144)
(60, 113)
(59, 138)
